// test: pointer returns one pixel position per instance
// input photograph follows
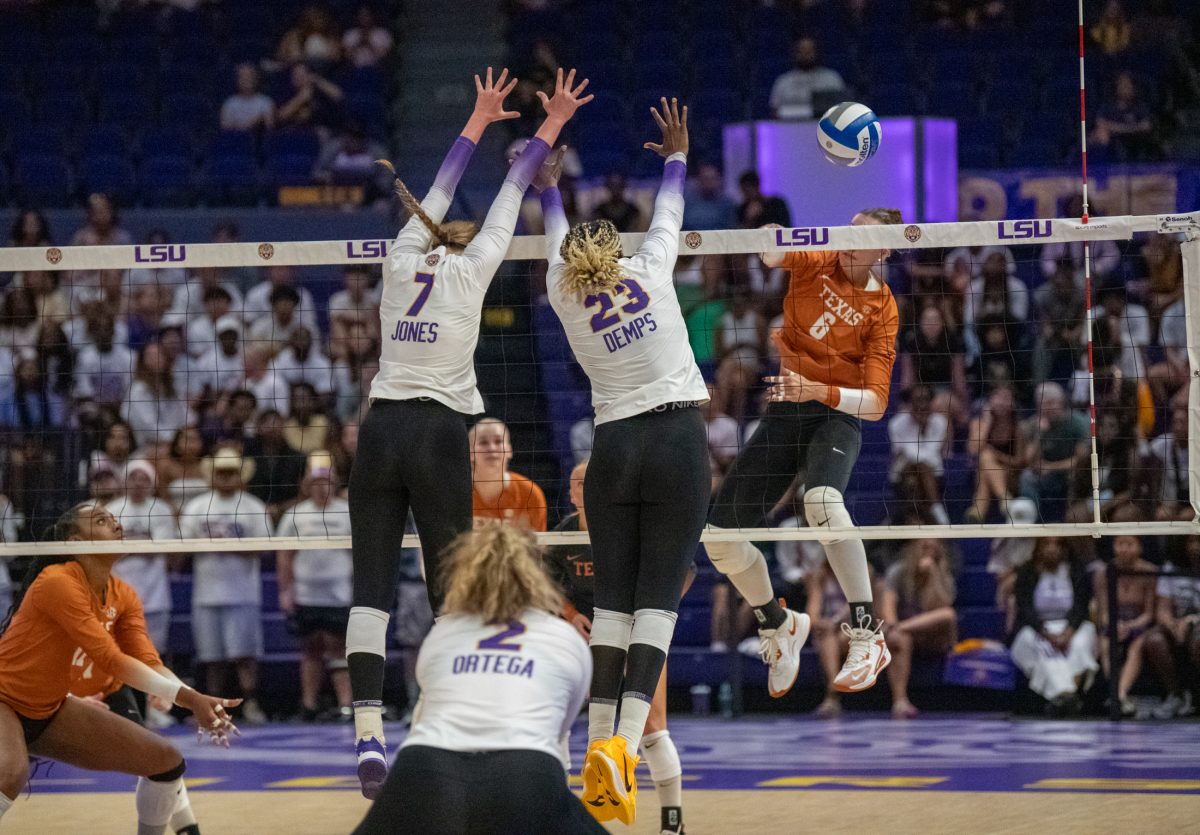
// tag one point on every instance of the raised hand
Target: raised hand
(551, 170)
(673, 125)
(489, 97)
(567, 98)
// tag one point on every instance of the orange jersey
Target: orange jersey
(64, 639)
(834, 332)
(521, 502)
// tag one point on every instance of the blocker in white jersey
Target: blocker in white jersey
(412, 450)
(648, 481)
(502, 678)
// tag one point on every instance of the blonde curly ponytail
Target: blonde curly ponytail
(590, 252)
(496, 573)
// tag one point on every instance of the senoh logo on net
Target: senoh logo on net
(803, 236)
(160, 254)
(1015, 230)
(366, 249)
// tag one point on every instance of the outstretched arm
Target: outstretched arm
(553, 214)
(662, 239)
(486, 251)
(489, 107)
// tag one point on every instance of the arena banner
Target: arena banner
(1040, 193)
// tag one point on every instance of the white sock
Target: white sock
(368, 721)
(366, 632)
(634, 710)
(155, 802)
(601, 718)
(183, 815)
(848, 559)
(754, 584)
(6, 803)
(659, 752)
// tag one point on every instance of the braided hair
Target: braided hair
(455, 233)
(590, 251)
(62, 530)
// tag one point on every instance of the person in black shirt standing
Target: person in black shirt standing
(623, 214)
(757, 209)
(571, 568)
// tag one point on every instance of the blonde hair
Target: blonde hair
(496, 573)
(884, 216)
(590, 252)
(454, 234)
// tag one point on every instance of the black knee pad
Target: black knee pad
(172, 775)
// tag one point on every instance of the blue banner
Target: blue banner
(1044, 192)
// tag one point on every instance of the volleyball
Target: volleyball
(849, 134)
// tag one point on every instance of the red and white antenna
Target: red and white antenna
(1087, 278)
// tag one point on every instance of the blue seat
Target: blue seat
(43, 180)
(233, 143)
(132, 111)
(976, 587)
(606, 107)
(980, 622)
(895, 100)
(301, 143)
(951, 98)
(166, 180)
(167, 141)
(186, 110)
(4, 184)
(66, 111)
(14, 109)
(600, 161)
(37, 140)
(123, 78)
(290, 169)
(978, 155)
(59, 77)
(717, 105)
(364, 80)
(105, 139)
(370, 109)
(111, 175)
(232, 179)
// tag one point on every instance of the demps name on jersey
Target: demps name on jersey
(630, 332)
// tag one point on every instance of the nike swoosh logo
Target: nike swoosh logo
(838, 451)
(792, 631)
(625, 769)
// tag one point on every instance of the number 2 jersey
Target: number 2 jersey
(836, 333)
(432, 300)
(500, 687)
(631, 342)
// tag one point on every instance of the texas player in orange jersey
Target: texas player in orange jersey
(497, 492)
(73, 611)
(837, 347)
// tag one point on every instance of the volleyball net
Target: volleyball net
(1011, 350)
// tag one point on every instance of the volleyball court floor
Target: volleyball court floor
(944, 773)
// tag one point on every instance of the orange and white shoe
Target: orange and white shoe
(866, 659)
(780, 651)
(609, 771)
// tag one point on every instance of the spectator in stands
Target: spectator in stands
(933, 356)
(1123, 126)
(103, 486)
(307, 428)
(226, 586)
(10, 524)
(1169, 457)
(758, 209)
(707, 206)
(222, 368)
(274, 332)
(231, 420)
(1055, 643)
(828, 610)
(366, 43)
(302, 361)
(258, 299)
(314, 39)
(314, 102)
(102, 377)
(1054, 442)
(918, 606)
(56, 359)
(181, 472)
(30, 229)
(537, 75)
(20, 324)
(344, 452)
(920, 442)
(616, 208)
(314, 590)
(101, 229)
(1162, 260)
(994, 442)
(156, 406)
(1106, 258)
(353, 373)
(268, 389)
(1112, 32)
(1060, 308)
(741, 345)
(116, 451)
(1114, 391)
(1132, 326)
(249, 108)
(1116, 452)
(723, 434)
(499, 493)
(964, 264)
(996, 292)
(793, 92)
(32, 407)
(171, 336)
(202, 330)
(1008, 554)
(349, 159)
(188, 300)
(1166, 377)
(796, 559)
(581, 434)
(278, 466)
(1172, 647)
(52, 303)
(356, 303)
(1135, 615)
(147, 312)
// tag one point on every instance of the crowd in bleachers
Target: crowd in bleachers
(172, 105)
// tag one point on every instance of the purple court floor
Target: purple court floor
(943, 753)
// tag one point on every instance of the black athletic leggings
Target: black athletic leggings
(792, 437)
(411, 453)
(433, 791)
(646, 493)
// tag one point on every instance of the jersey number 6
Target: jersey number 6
(821, 327)
(425, 279)
(606, 316)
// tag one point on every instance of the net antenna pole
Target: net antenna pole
(1087, 282)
